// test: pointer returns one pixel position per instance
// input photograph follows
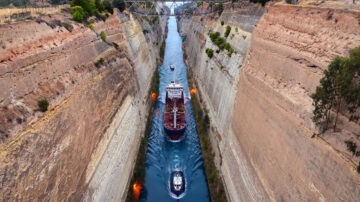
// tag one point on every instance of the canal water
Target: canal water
(164, 156)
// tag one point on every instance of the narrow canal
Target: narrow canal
(163, 156)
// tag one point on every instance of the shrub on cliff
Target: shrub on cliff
(351, 146)
(43, 105)
(218, 40)
(227, 32)
(88, 6)
(214, 35)
(119, 4)
(99, 6)
(338, 89)
(91, 26)
(358, 168)
(222, 22)
(263, 2)
(58, 2)
(78, 13)
(99, 62)
(103, 36)
(108, 6)
(209, 52)
(220, 8)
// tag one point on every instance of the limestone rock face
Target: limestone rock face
(54, 156)
(259, 102)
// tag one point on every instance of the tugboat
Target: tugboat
(177, 184)
(174, 118)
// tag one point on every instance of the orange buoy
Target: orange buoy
(192, 91)
(154, 96)
(137, 186)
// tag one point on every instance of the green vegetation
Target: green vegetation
(91, 26)
(43, 105)
(263, 2)
(99, 62)
(338, 89)
(103, 36)
(221, 43)
(221, 67)
(199, 3)
(88, 6)
(351, 146)
(244, 37)
(358, 168)
(108, 6)
(217, 39)
(82, 9)
(209, 52)
(222, 22)
(148, 4)
(220, 8)
(236, 29)
(288, 1)
(78, 13)
(215, 184)
(101, 16)
(119, 4)
(58, 2)
(229, 49)
(145, 31)
(99, 6)
(227, 32)
(91, 21)
(240, 66)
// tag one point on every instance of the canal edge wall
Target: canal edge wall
(248, 160)
(60, 154)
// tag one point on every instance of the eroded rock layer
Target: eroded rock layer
(57, 155)
(259, 100)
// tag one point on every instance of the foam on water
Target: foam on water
(164, 156)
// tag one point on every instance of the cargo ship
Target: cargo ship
(174, 118)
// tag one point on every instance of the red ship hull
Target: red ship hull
(174, 105)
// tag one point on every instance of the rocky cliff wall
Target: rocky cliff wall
(95, 113)
(260, 107)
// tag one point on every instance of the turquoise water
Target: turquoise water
(164, 156)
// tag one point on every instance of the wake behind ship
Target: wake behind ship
(174, 118)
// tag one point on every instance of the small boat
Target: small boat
(177, 183)
(174, 117)
(172, 67)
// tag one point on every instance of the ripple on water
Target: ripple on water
(164, 156)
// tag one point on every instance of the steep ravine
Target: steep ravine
(85, 145)
(259, 102)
